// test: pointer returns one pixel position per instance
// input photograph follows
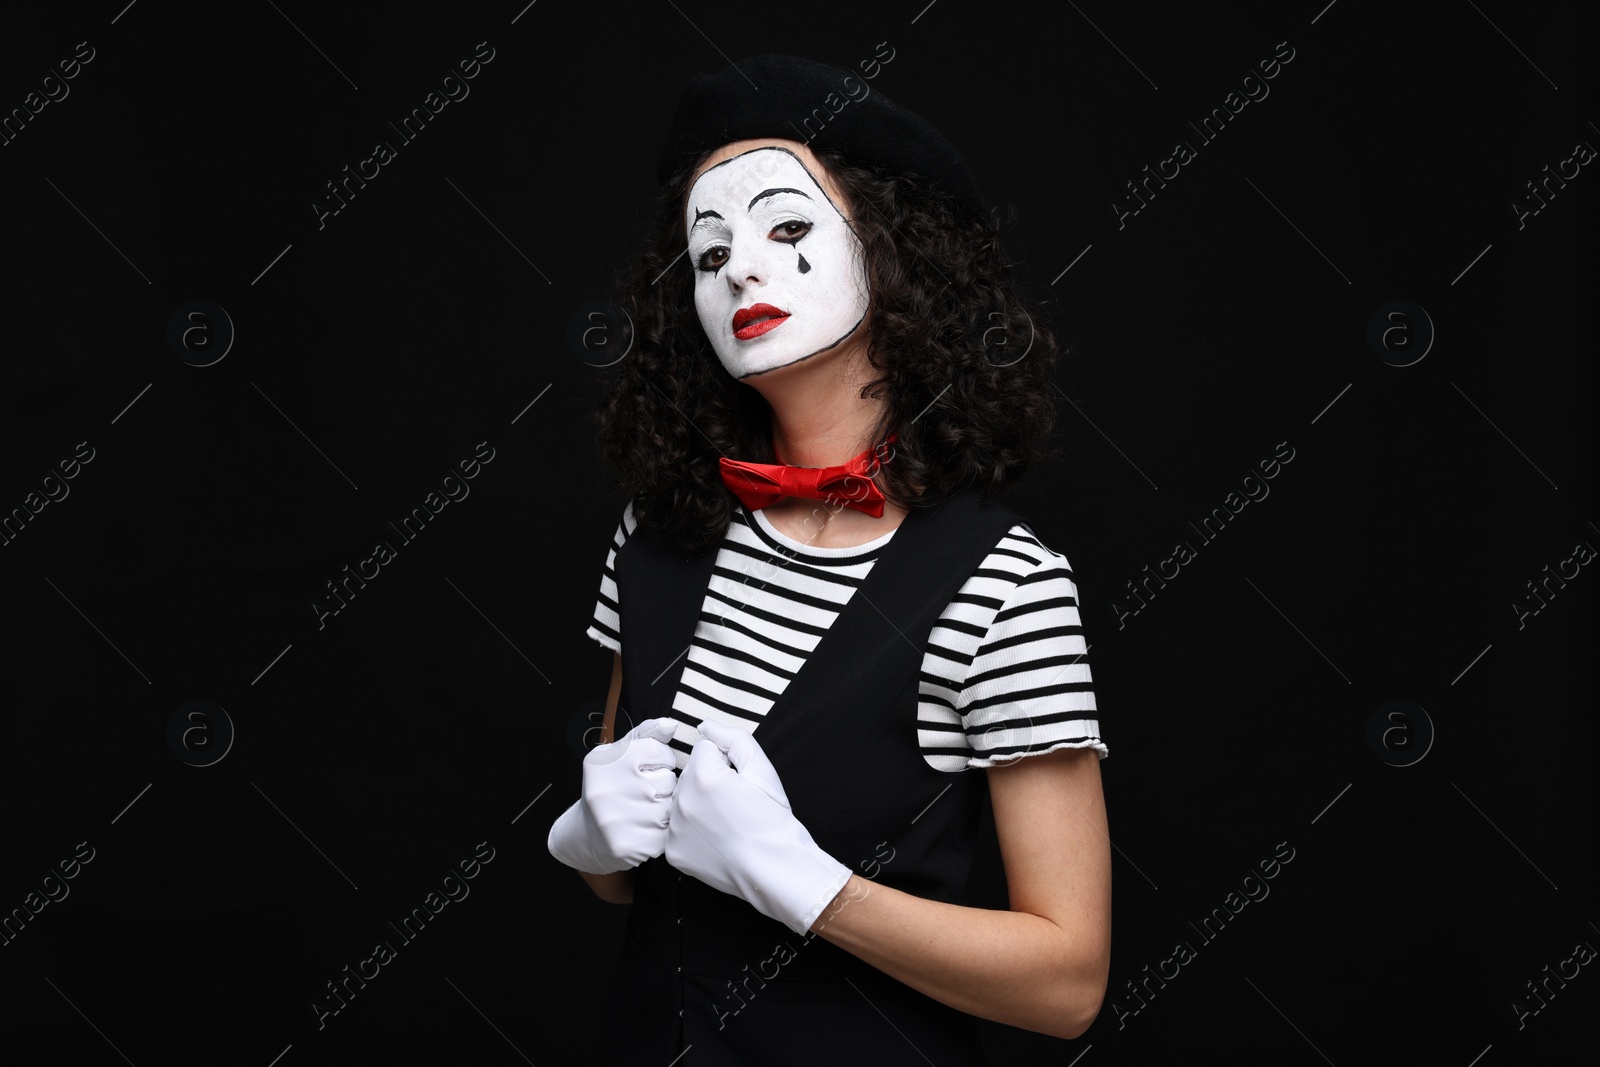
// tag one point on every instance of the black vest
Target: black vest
(703, 969)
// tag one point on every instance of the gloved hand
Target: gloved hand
(732, 828)
(621, 819)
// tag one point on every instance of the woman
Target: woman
(819, 650)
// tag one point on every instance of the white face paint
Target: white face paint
(768, 244)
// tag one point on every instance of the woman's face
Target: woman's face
(779, 274)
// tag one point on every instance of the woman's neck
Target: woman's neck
(819, 418)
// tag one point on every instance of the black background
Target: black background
(377, 750)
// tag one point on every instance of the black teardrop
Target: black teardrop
(805, 267)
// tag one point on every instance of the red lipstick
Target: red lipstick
(756, 320)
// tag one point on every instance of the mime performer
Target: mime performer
(831, 639)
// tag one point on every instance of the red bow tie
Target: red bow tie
(760, 484)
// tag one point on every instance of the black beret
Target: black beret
(802, 100)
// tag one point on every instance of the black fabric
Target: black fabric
(703, 968)
(715, 109)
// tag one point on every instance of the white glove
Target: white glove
(732, 828)
(621, 819)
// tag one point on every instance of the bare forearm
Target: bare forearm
(1009, 966)
(614, 888)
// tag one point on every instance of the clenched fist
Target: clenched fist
(621, 819)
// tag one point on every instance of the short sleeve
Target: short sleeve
(1028, 689)
(606, 625)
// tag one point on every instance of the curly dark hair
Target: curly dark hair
(946, 322)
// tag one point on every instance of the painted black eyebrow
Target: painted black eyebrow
(698, 215)
(772, 192)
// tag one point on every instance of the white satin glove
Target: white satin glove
(732, 828)
(621, 819)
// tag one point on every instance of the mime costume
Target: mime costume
(844, 741)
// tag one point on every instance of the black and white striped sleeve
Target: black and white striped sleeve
(1028, 689)
(606, 626)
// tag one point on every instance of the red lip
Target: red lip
(746, 326)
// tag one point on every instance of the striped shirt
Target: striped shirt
(1005, 672)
